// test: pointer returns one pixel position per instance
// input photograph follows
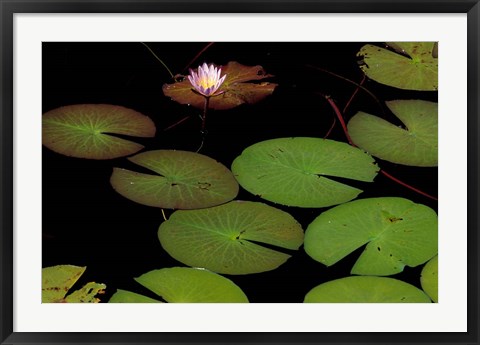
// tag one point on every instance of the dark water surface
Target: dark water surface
(86, 223)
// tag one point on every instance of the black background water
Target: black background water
(86, 223)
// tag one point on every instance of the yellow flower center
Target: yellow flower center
(207, 82)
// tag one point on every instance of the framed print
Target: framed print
(239, 172)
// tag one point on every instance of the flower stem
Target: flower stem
(203, 130)
(204, 116)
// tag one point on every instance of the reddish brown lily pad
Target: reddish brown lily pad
(234, 91)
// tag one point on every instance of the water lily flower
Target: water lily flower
(206, 80)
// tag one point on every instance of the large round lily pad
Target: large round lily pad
(301, 171)
(429, 278)
(415, 145)
(227, 238)
(184, 285)
(366, 290)
(398, 232)
(413, 66)
(184, 180)
(83, 130)
(234, 91)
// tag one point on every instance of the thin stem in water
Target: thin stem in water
(354, 94)
(177, 123)
(351, 82)
(197, 56)
(163, 63)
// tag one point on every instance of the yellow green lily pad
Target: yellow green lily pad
(366, 290)
(429, 279)
(228, 238)
(84, 130)
(414, 145)
(301, 171)
(411, 66)
(397, 233)
(58, 280)
(184, 285)
(182, 180)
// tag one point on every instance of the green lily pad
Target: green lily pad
(234, 91)
(416, 145)
(83, 130)
(185, 180)
(227, 238)
(58, 280)
(184, 285)
(415, 68)
(298, 171)
(366, 290)
(399, 233)
(123, 296)
(429, 279)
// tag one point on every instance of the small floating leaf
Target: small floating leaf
(58, 280)
(429, 279)
(185, 180)
(366, 290)
(235, 89)
(398, 232)
(86, 294)
(416, 71)
(299, 171)
(123, 296)
(227, 238)
(83, 130)
(184, 285)
(415, 145)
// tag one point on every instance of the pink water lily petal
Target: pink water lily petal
(206, 80)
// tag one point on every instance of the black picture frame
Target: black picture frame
(9, 7)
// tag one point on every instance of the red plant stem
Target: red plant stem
(346, 106)
(331, 128)
(340, 118)
(177, 123)
(354, 94)
(197, 56)
(345, 130)
(406, 185)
